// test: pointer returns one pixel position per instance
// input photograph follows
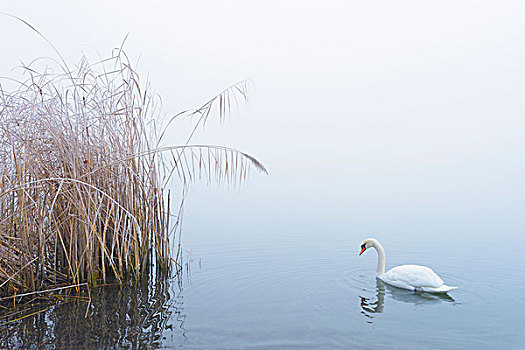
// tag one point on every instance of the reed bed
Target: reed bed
(85, 181)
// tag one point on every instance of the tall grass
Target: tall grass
(84, 180)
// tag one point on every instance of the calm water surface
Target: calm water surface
(256, 284)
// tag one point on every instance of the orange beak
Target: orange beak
(363, 248)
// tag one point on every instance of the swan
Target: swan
(411, 277)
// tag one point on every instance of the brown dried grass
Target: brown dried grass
(84, 183)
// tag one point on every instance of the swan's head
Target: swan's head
(368, 243)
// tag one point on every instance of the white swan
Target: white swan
(412, 277)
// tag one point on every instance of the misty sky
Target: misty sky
(377, 108)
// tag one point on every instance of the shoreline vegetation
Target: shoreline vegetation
(85, 178)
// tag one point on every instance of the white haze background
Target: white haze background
(378, 116)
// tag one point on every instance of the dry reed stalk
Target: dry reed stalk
(84, 183)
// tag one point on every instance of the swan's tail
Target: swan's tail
(441, 289)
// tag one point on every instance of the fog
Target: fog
(378, 111)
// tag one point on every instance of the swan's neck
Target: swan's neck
(381, 258)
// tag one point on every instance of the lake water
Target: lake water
(256, 279)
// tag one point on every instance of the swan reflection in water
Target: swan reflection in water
(372, 306)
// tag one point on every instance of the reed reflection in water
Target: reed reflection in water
(127, 317)
(376, 305)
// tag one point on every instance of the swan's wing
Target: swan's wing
(413, 275)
